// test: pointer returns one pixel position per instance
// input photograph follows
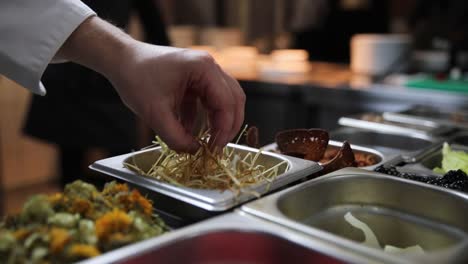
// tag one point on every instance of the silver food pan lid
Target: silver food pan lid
(210, 200)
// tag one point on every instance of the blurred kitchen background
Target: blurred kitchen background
(302, 63)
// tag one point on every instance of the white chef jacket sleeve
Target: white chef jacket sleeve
(31, 33)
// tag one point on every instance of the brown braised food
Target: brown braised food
(362, 159)
(312, 144)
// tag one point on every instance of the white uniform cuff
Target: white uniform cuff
(32, 32)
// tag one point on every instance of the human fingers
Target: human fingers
(218, 100)
(221, 121)
(239, 100)
(166, 123)
(188, 112)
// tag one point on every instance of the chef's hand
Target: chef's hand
(161, 84)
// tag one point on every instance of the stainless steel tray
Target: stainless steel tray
(185, 202)
(388, 144)
(232, 238)
(376, 122)
(425, 162)
(423, 115)
(401, 212)
(273, 147)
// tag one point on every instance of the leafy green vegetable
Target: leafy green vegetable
(452, 160)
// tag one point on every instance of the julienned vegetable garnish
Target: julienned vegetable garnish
(370, 239)
(227, 170)
(77, 224)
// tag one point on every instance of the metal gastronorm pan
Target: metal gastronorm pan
(376, 122)
(196, 204)
(402, 213)
(232, 238)
(396, 146)
(424, 115)
(380, 157)
(427, 161)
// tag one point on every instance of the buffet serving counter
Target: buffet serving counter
(307, 221)
(301, 216)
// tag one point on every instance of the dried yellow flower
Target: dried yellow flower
(112, 222)
(83, 251)
(21, 234)
(81, 206)
(55, 198)
(114, 188)
(59, 237)
(144, 204)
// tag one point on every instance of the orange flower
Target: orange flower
(135, 200)
(81, 206)
(112, 222)
(83, 251)
(21, 234)
(59, 237)
(115, 188)
(55, 198)
(144, 204)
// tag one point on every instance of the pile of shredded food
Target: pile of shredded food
(228, 170)
(77, 224)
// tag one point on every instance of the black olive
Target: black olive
(454, 179)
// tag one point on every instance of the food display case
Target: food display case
(412, 221)
(352, 215)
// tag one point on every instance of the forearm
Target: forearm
(98, 45)
(160, 84)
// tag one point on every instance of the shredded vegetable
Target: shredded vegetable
(227, 170)
(370, 239)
